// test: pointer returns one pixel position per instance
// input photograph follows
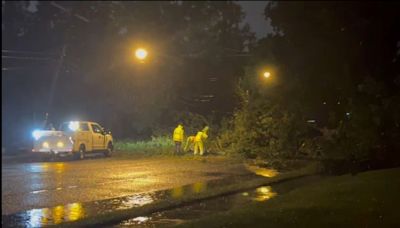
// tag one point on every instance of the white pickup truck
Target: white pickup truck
(75, 138)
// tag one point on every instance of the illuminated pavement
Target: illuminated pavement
(170, 218)
(50, 184)
(161, 216)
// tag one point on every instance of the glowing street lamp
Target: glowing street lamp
(141, 54)
(267, 74)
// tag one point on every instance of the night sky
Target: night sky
(255, 17)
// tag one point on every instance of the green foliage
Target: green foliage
(155, 146)
(362, 133)
(261, 128)
(192, 122)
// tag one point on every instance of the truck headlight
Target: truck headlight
(45, 145)
(60, 144)
(36, 134)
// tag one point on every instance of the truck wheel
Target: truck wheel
(80, 154)
(109, 150)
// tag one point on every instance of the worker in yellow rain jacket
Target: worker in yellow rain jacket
(201, 136)
(189, 143)
(178, 138)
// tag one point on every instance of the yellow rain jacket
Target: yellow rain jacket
(178, 134)
(201, 135)
(198, 141)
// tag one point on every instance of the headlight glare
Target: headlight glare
(45, 145)
(60, 144)
(36, 134)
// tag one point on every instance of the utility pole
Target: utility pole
(55, 78)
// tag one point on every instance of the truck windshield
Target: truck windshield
(64, 127)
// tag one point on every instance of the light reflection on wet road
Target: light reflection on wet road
(46, 185)
(197, 210)
(173, 217)
(74, 211)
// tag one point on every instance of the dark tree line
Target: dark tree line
(335, 63)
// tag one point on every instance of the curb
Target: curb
(114, 217)
(16, 158)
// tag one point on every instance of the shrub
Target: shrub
(155, 146)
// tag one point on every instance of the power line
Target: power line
(11, 68)
(26, 58)
(68, 11)
(20, 68)
(26, 52)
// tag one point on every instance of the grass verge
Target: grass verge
(156, 146)
(368, 199)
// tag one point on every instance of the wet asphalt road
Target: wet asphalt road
(47, 184)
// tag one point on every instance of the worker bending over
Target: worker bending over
(201, 136)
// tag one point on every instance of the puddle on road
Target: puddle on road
(205, 208)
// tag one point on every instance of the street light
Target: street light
(141, 54)
(267, 74)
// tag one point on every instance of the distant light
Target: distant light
(141, 53)
(36, 134)
(324, 103)
(338, 102)
(347, 113)
(73, 125)
(310, 121)
(267, 74)
(45, 145)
